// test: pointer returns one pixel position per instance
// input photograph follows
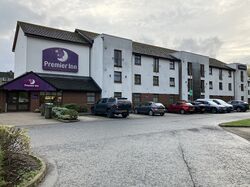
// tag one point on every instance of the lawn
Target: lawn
(240, 123)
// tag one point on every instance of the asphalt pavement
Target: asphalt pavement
(173, 150)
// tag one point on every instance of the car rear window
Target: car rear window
(157, 104)
(111, 100)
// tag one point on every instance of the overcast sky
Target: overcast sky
(217, 28)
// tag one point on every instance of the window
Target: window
(138, 60)
(242, 87)
(210, 71)
(189, 68)
(137, 79)
(155, 80)
(241, 76)
(171, 82)
(229, 73)
(156, 98)
(242, 98)
(111, 100)
(202, 70)
(230, 86)
(90, 98)
(5, 79)
(117, 77)
(136, 98)
(220, 74)
(248, 92)
(220, 86)
(104, 100)
(172, 65)
(210, 85)
(190, 84)
(117, 58)
(51, 97)
(202, 86)
(156, 65)
(248, 83)
(117, 94)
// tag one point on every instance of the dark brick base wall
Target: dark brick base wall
(165, 99)
(2, 101)
(224, 98)
(79, 98)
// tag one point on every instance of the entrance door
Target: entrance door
(18, 101)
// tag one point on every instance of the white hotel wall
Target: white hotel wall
(186, 57)
(97, 61)
(238, 92)
(225, 81)
(146, 72)
(20, 54)
(35, 47)
(110, 43)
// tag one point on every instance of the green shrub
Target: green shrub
(14, 140)
(72, 106)
(83, 109)
(2, 182)
(64, 113)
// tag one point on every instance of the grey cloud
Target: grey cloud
(6, 57)
(207, 46)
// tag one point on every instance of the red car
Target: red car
(181, 107)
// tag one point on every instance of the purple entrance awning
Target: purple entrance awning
(29, 82)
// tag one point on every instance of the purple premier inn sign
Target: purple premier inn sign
(60, 59)
(29, 82)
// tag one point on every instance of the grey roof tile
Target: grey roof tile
(218, 64)
(71, 83)
(151, 50)
(48, 32)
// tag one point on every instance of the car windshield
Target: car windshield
(212, 103)
(217, 102)
(222, 102)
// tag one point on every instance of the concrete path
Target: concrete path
(24, 119)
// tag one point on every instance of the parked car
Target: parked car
(229, 107)
(211, 106)
(112, 106)
(150, 108)
(198, 107)
(181, 107)
(239, 106)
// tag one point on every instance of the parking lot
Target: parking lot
(170, 150)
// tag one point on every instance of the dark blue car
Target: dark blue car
(150, 108)
(239, 106)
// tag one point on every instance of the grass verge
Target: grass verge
(240, 123)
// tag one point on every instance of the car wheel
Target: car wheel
(93, 111)
(110, 114)
(182, 111)
(151, 113)
(238, 109)
(214, 110)
(162, 114)
(124, 115)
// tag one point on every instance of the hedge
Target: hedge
(76, 107)
(64, 113)
(12, 141)
(2, 182)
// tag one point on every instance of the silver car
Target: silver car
(223, 103)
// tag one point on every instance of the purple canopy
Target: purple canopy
(29, 82)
